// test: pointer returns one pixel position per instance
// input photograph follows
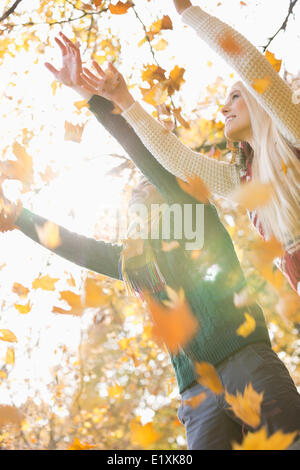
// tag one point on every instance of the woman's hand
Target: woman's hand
(70, 73)
(182, 5)
(9, 211)
(109, 84)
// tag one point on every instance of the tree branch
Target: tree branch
(10, 10)
(284, 24)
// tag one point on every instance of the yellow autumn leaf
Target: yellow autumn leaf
(115, 391)
(208, 377)
(261, 84)
(23, 308)
(81, 104)
(74, 301)
(77, 445)
(7, 335)
(260, 441)
(194, 402)
(49, 234)
(20, 290)
(273, 61)
(3, 375)
(143, 435)
(94, 296)
(246, 406)
(10, 356)
(247, 327)
(45, 283)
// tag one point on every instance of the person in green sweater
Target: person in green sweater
(238, 360)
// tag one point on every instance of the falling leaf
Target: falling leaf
(120, 8)
(155, 95)
(248, 327)
(77, 445)
(23, 308)
(260, 441)
(273, 61)
(10, 415)
(7, 335)
(175, 326)
(97, 3)
(261, 84)
(208, 377)
(3, 374)
(153, 72)
(20, 290)
(48, 175)
(73, 132)
(229, 44)
(143, 435)
(265, 251)
(194, 402)
(176, 79)
(196, 187)
(10, 356)
(49, 234)
(94, 296)
(160, 45)
(74, 300)
(180, 119)
(169, 246)
(246, 406)
(252, 195)
(45, 283)
(81, 104)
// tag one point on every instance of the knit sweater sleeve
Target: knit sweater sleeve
(250, 64)
(220, 177)
(91, 254)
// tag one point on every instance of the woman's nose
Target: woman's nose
(225, 109)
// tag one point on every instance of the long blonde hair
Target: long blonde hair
(275, 162)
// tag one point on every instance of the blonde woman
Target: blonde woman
(266, 125)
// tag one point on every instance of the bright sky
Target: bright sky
(82, 185)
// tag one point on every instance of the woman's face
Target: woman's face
(237, 118)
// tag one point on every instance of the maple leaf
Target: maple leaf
(175, 326)
(22, 169)
(246, 406)
(196, 187)
(73, 132)
(120, 8)
(20, 290)
(153, 72)
(260, 441)
(261, 84)
(81, 104)
(155, 95)
(229, 44)
(23, 308)
(7, 335)
(176, 79)
(10, 356)
(45, 283)
(252, 195)
(273, 61)
(248, 327)
(94, 296)
(74, 300)
(97, 3)
(49, 234)
(77, 445)
(208, 377)
(178, 116)
(143, 435)
(194, 402)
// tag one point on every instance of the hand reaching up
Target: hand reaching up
(181, 5)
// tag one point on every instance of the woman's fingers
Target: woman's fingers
(98, 69)
(85, 83)
(91, 75)
(52, 69)
(61, 46)
(90, 81)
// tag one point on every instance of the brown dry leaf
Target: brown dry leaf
(176, 79)
(94, 296)
(23, 308)
(248, 327)
(229, 44)
(44, 282)
(49, 234)
(7, 335)
(10, 356)
(288, 306)
(196, 187)
(175, 326)
(10, 415)
(194, 402)
(260, 441)
(246, 406)
(273, 61)
(261, 84)
(73, 132)
(143, 435)
(77, 445)
(20, 290)
(120, 8)
(252, 195)
(183, 122)
(209, 377)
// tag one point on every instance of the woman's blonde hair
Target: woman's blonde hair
(275, 162)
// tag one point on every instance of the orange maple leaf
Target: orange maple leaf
(229, 44)
(23, 308)
(120, 8)
(208, 377)
(45, 283)
(196, 187)
(261, 84)
(252, 195)
(273, 61)
(246, 406)
(194, 402)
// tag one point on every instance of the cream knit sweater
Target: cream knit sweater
(250, 64)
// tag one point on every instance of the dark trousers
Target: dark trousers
(213, 426)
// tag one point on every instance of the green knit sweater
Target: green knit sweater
(210, 297)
